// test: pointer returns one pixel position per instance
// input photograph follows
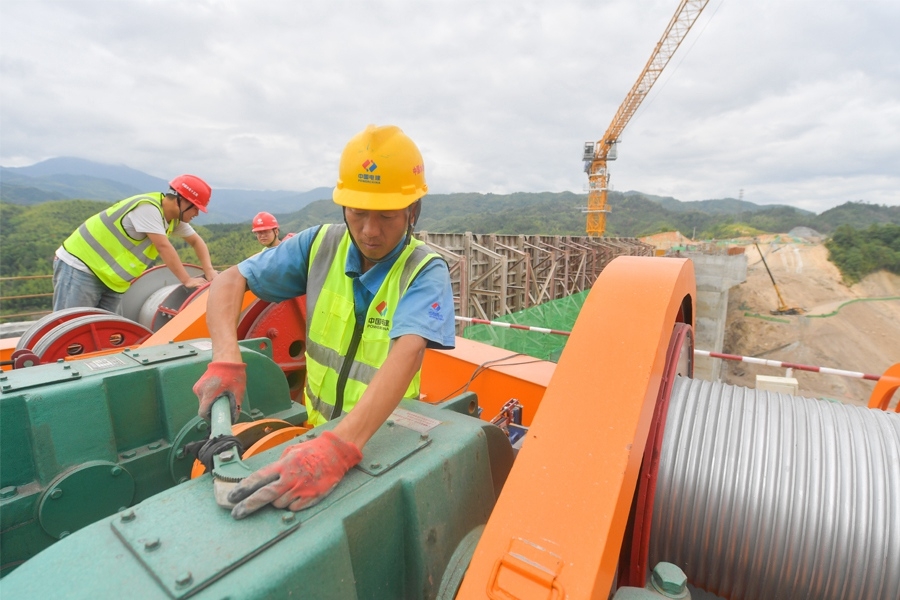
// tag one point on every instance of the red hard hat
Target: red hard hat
(263, 222)
(193, 189)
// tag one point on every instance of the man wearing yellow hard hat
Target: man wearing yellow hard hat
(376, 298)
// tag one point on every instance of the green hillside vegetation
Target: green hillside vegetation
(858, 215)
(30, 234)
(858, 252)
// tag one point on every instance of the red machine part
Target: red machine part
(44, 325)
(74, 332)
(284, 324)
(24, 358)
(90, 333)
(633, 561)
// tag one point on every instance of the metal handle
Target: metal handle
(220, 417)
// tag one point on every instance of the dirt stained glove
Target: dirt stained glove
(222, 378)
(304, 475)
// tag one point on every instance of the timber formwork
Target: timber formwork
(494, 275)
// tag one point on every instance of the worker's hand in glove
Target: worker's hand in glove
(305, 473)
(222, 378)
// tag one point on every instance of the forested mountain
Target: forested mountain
(68, 178)
(633, 214)
(858, 252)
(30, 234)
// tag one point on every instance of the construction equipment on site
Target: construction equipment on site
(597, 154)
(783, 308)
(631, 479)
(83, 439)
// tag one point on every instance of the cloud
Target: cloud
(793, 102)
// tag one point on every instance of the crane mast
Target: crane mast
(597, 154)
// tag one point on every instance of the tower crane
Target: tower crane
(596, 154)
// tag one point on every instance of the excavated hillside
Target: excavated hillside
(855, 328)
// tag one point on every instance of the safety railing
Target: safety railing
(44, 307)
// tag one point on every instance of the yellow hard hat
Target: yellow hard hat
(381, 169)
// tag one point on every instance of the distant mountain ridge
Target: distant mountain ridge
(552, 213)
(68, 178)
(66, 165)
(721, 206)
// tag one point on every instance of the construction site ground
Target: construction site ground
(854, 328)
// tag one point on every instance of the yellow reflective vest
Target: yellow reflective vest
(103, 245)
(342, 355)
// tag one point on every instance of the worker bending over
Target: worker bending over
(376, 298)
(265, 226)
(95, 265)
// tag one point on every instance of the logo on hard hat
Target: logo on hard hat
(367, 177)
(188, 188)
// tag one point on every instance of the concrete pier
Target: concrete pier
(716, 275)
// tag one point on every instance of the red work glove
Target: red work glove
(226, 378)
(305, 473)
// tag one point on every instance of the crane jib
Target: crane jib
(596, 155)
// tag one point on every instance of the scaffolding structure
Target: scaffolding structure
(495, 275)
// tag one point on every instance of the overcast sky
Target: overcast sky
(785, 101)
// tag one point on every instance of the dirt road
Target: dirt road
(856, 328)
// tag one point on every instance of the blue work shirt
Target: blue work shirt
(426, 309)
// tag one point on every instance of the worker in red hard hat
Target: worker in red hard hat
(96, 264)
(265, 226)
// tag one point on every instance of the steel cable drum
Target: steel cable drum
(145, 285)
(47, 323)
(766, 495)
(89, 333)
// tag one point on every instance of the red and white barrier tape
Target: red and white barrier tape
(746, 359)
(513, 326)
(787, 365)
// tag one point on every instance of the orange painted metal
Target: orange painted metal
(275, 438)
(7, 347)
(565, 506)
(257, 436)
(189, 323)
(885, 388)
(494, 374)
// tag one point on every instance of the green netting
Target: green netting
(556, 314)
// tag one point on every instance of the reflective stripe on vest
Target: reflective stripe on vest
(102, 244)
(331, 325)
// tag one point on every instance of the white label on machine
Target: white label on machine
(107, 362)
(414, 421)
(202, 345)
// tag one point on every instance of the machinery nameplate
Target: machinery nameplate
(163, 353)
(179, 551)
(413, 420)
(392, 444)
(103, 363)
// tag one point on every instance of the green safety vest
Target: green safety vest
(342, 356)
(103, 245)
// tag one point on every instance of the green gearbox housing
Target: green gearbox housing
(84, 439)
(403, 523)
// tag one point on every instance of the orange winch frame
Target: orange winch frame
(558, 526)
